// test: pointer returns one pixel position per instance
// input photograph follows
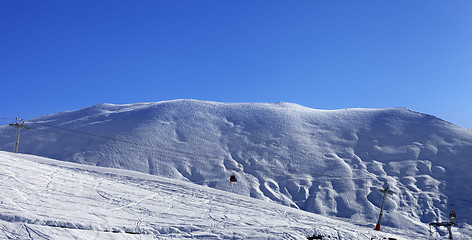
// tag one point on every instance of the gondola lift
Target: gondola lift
(452, 215)
(232, 178)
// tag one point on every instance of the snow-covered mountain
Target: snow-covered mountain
(47, 199)
(327, 162)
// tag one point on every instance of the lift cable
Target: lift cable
(166, 151)
(137, 146)
(171, 153)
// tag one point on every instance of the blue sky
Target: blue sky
(65, 55)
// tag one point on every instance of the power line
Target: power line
(137, 146)
(172, 153)
(166, 151)
(79, 132)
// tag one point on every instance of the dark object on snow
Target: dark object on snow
(233, 179)
(385, 192)
(315, 237)
(452, 216)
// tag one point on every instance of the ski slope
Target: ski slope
(329, 162)
(47, 199)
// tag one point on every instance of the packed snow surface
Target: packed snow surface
(47, 199)
(330, 162)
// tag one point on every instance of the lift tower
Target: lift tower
(448, 225)
(19, 124)
(385, 191)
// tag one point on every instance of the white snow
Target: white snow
(47, 199)
(326, 162)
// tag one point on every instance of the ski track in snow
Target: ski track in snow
(330, 162)
(47, 199)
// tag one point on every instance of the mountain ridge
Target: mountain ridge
(323, 161)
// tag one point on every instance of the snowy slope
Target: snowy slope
(47, 199)
(327, 162)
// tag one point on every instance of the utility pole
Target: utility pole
(385, 191)
(19, 124)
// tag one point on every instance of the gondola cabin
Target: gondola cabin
(452, 216)
(233, 179)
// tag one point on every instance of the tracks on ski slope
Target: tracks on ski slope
(118, 202)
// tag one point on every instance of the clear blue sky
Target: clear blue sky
(69, 54)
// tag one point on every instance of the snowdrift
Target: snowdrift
(327, 162)
(46, 199)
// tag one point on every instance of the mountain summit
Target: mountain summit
(330, 162)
